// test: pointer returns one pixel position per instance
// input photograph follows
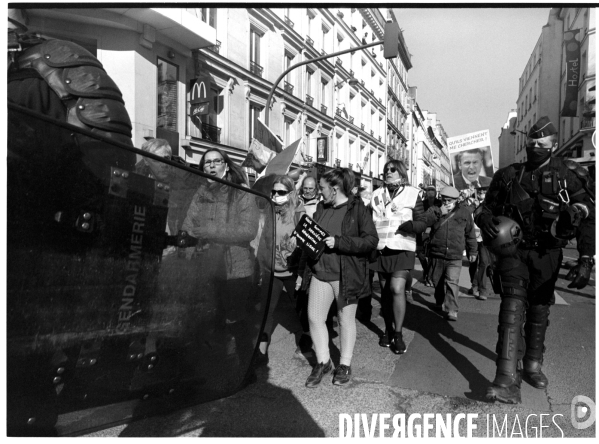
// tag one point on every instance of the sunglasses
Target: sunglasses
(279, 192)
(390, 169)
(215, 162)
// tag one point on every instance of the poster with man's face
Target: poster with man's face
(472, 161)
(322, 154)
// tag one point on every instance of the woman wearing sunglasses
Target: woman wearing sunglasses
(341, 273)
(288, 211)
(398, 216)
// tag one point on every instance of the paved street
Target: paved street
(445, 371)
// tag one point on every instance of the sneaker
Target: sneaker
(480, 297)
(452, 315)
(342, 375)
(385, 341)
(398, 346)
(473, 291)
(318, 372)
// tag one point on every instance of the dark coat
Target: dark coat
(460, 184)
(357, 241)
(450, 236)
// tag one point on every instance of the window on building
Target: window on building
(255, 113)
(324, 86)
(207, 15)
(168, 75)
(255, 38)
(325, 31)
(288, 62)
(309, 78)
(287, 128)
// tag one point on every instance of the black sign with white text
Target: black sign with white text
(310, 236)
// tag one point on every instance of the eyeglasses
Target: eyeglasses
(279, 192)
(390, 169)
(215, 162)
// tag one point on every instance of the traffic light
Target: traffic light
(391, 40)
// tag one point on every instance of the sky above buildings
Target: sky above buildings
(467, 62)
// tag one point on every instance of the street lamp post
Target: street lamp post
(305, 62)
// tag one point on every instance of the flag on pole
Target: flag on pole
(281, 162)
(258, 156)
(266, 137)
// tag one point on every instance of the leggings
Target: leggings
(321, 296)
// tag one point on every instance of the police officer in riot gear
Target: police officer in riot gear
(552, 200)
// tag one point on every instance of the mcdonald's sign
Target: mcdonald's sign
(201, 98)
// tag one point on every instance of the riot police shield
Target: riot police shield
(110, 316)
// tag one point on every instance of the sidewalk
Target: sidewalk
(279, 405)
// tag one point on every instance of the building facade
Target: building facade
(507, 141)
(538, 92)
(575, 133)
(358, 103)
(542, 88)
(148, 52)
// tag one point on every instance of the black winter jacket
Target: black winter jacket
(358, 240)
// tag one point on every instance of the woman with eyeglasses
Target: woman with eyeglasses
(341, 273)
(288, 211)
(224, 219)
(398, 216)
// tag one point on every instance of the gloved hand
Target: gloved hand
(487, 224)
(184, 240)
(581, 273)
(406, 227)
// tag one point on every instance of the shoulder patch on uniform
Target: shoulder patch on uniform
(576, 167)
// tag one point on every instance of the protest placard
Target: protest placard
(310, 236)
(472, 160)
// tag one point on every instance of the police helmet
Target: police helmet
(505, 244)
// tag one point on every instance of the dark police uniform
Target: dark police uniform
(541, 200)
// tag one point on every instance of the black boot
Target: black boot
(537, 320)
(510, 345)
(398, 346)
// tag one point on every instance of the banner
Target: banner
(322, 149)
(266, 137)
(258, 156)
(281, 162)
(572, 73)
(472, 160)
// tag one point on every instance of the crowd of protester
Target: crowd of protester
(379, 232)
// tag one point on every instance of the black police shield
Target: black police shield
(107, 319)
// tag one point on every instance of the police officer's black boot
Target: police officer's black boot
(537, 320)
(510, 345)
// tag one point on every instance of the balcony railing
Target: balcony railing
(338, 61)
(288, 87)
(351, 119)
(309, 41)
(215, 48)
(323, 109)
(587, 123)
(210, 132)
(256, 69)
(288, 22)
(323, 52)
(309, 100)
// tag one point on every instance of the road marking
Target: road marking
(558, 299)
